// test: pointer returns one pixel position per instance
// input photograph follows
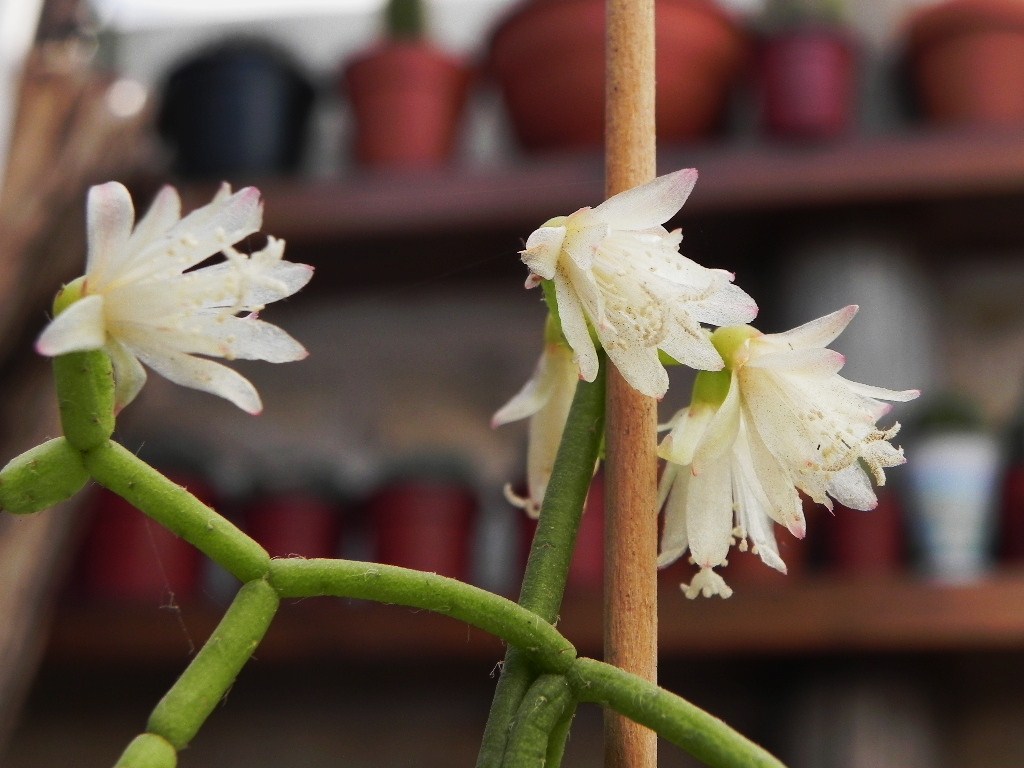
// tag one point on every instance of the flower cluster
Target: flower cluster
(770, 415)
(145, 299)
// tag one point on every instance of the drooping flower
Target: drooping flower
(779, 419)
(545, 400)
(618, 271)
(143, 300)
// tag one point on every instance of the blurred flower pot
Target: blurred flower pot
(424, 523)
(298, 522)
(127, 556)
(548, 57)
(953, 483)
(967, 60)
(586, 570)
(240, 108)
(808, 82)
(866, 543)
(408, 100)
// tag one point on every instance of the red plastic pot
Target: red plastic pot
(407, 98)
(967, 60)
(127, 556)
(586, 571)
(548, 57)
(297, 523)
(866, 543)
(424, 524)
(808, 83)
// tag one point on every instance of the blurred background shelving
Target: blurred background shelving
(418, 300)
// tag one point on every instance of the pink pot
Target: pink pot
(548, 57)
(808, 83)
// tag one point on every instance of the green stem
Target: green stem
(116, 468)
(85, 394)
(185, 707)
(42, 477)
(295, 577)
(147, 750)
(548, 703)
(559, 737)
(547, 568)
(702, 735)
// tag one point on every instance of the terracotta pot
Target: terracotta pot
(967, 60)
(808, 82)
(408, 98)
(548, 57)
(425, 524)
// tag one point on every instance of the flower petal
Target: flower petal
(819, 332)
(543, 247)
(129, 375)
(651, 204)
(204, 375)
(76, 329)
(709, 515)
(574, 327)
(109, 216)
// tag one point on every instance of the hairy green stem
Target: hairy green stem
(547, 568)
(548, 703)
(294, 577)
(85, 395)
(185, 707)
(176, 509)
(687, 726)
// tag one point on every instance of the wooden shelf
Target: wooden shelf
(759, 178)
(812, 615)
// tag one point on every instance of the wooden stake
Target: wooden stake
(631, 530)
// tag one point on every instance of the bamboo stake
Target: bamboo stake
(630, 635)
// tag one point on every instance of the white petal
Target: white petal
(129, 375)
(880, 393)
(109, 218)
(720, 435)
(542, 249)
(164, 212)
(673, 536)
(817, 333)
(204, 375)
(651, 204)
(247, 338)
(641, 369)
(76, 329)
(574, 327)
(804, 361)
(210, 229)
(729, 305)
(852, 488)
(687, 430)
(709, 514)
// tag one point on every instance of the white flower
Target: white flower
(545, 399)
(618, 268)
(778, 420)
(141, 299)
